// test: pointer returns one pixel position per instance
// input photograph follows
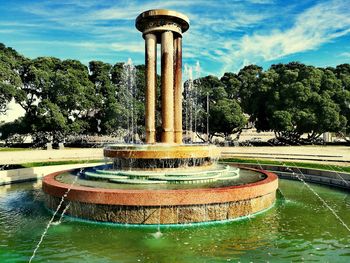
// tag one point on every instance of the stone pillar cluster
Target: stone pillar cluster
(164, 27)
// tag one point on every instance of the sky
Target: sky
(224, 35)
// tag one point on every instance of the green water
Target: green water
(299, 229)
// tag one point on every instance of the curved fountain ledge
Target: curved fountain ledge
(180, 206)
(161, 155)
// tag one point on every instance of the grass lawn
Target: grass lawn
(328, 167)
(9, 149)
(37, 164)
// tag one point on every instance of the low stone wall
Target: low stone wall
(331, 178)
(35, 173)
(29, 156)
(163, 215)
(319, 154)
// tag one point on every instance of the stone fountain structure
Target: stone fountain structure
(161, 182)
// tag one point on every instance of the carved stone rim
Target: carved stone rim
(160, 151)
(156, 14)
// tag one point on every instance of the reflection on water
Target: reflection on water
(297, 229)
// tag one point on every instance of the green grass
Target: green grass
(319, 166)
(38, 164)
(9, 149)
(233, 160)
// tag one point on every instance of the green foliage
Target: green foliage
(14, 132)
(10, 65)
(226, 117)
(249, 77)
(294, 99)
(225, 114)
(62, 97)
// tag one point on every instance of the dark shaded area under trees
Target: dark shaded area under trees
(65, 97)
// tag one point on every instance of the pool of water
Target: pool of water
(245, 177)
(298, 228)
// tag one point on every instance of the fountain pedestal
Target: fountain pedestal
(164, 27)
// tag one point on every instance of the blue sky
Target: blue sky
(223, 35)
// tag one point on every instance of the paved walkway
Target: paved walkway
(17, 157)
(322, 154)
(328, 154)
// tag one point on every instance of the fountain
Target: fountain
(166, 181)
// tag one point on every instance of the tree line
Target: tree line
(65, 97)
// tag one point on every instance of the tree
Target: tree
(249, 77)
(225, 114)
(342, 96)
(130, 94)
(37, 77)
(57, 97)
(294, 99)
(226, 117)
(232, 84)
(73, 94)
(10, 65)
(107, 109)
(14, 132)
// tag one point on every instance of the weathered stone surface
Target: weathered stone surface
(118, 214)
(190, 214)
(178, 89)
(257, 204)
(151, 78)
(168, 215)
(165, 27)
(167, 87)
(135, 215)
(217, 212)
(163, 215)
(238, 209)
(151, 215)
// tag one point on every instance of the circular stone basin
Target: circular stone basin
(161, 156)
(162, 151)
(162, 205)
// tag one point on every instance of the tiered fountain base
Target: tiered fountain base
(199, 192)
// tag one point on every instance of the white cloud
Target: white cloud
(345, 54)
(312, 28)
(262, 1)
(221, 32)
(136, 47)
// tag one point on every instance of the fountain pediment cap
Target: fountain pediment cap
(158, 14)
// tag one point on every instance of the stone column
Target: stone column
(167, 87)
(151, 86)
(178, 90)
